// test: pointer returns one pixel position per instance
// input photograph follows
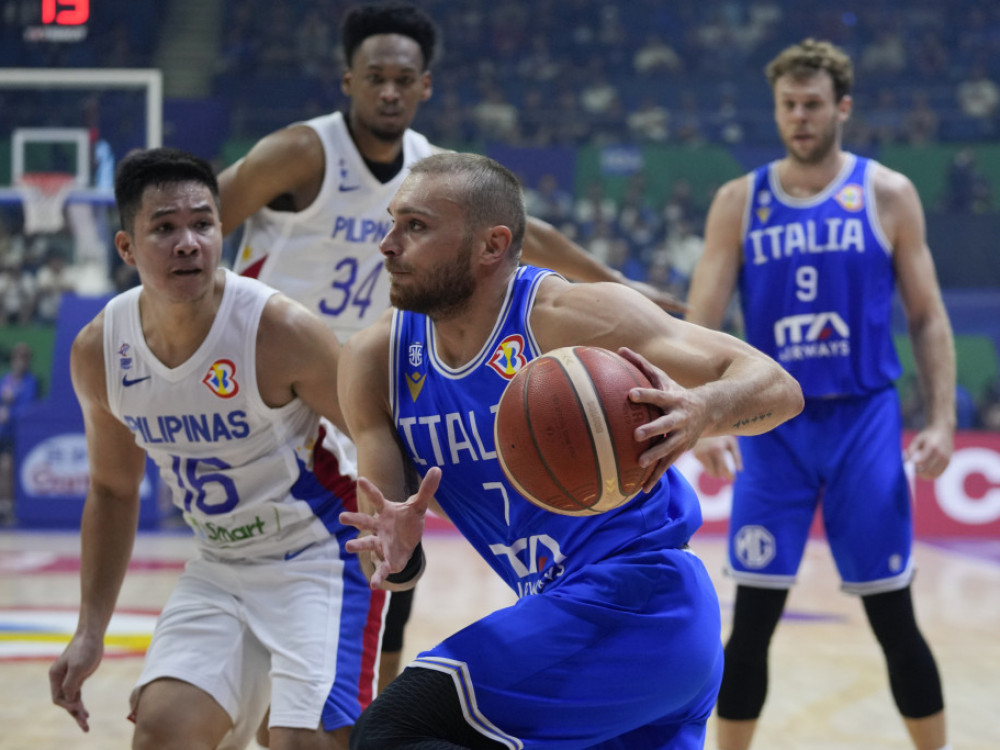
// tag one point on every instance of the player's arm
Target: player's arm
(714, 278)
(289, 161)
(706, 382)
(108, 525)
(391, 524)
(711, 290)
(297, 356)
(927, 319)
(545, 246)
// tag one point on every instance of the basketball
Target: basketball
(564, 431)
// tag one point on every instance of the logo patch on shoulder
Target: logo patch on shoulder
(221, 378)
(509, 357)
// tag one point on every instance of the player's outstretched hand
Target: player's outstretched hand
(391, 533)
(720, 456)
(66, 676)
(680, 425)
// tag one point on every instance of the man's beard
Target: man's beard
(822, 147)
(386, 136)
(449, 286)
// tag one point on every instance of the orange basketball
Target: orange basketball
(565, 427)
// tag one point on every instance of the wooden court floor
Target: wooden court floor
(828, 687)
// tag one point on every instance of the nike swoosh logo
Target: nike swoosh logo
(348, 188)
(291, 555)
(126, 382)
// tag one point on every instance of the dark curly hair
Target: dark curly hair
(364, 21)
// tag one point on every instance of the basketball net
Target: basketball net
(43, 198)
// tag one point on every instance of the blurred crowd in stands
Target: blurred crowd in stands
(584, 71)
(570, 72)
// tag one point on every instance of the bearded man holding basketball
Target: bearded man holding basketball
(615, 639)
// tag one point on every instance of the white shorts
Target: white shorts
(305, 625)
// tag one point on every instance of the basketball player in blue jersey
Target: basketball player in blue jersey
(614, 640)
(221, 380)
(312, 200)
(818, 241)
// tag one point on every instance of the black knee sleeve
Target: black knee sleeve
(419, 710)
(400, 604)
(913, 673)
(744, 680)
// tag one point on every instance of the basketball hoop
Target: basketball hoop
(43, 197)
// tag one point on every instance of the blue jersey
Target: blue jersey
(445, 418)
(817, 282)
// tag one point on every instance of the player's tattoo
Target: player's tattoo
(743, 422)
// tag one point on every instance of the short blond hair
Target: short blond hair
(491, 193)
(809, 57)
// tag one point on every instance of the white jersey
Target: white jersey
(326, 255)
(239, 470)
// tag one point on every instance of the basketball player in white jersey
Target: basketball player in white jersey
(314, 197)
(221, 380)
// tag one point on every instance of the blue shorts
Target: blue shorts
(846, 455)
(625, 653)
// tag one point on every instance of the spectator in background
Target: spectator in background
(885, 55)
(571, 127)
(600, 236)
(598, 95)
(621, 258)
(549, 201)
(638, 221)
(930, 58)
(539, 64)
(979, 97)
(920, 123)
(449, 120)
(17, 293)
(680, 202)
(314, 43)
(18, 389)
(278, 53)
(967, 189)
(682, 249)
(495, 117)
(53, 280)
(656, 57)
(688, 128)
(725, 120)
(593, 206)
(650, 123)
(885, 118)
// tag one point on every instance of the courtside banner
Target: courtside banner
(962, 502)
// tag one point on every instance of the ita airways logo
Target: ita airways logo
(221, 378)
(509, 357)
(851, 198)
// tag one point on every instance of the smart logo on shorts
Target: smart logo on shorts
(221, 378)
(509, 357)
